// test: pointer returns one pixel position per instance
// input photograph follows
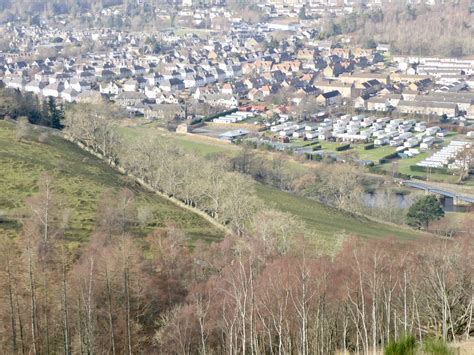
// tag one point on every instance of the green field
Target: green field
(325, 222)
(80, 179)
(189, 143)
(372, 154)
(404, 168)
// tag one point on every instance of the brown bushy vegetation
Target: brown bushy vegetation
(270, 292)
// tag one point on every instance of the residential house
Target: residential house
(255, 94)
(360, 103)
(227, 89)
(371, 87)
(166, 112)
(358, 79)
(152, 92)
(329, 98)
(35, 87)
(53, 90)
(69, 95)
(377, 104)
(428, 108)
(225, 100)
(392, 99)
(346, 90)
(130, 85)
(111, 88)
(106, 74)
(77, 85)
(15, 83)
(87, 77)
(138, 70)
(172, 84)
(128, 99)
(124, 73)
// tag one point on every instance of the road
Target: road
(437, 190)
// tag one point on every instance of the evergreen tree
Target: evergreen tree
(55, 114)
(423, 211)
(45, 119)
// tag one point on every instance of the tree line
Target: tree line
(270, 291)
(15, 104)
(204, 184)
(442, 29)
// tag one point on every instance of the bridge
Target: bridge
(456, 197)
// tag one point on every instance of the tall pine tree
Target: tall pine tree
(55, 114)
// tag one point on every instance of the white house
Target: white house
(172, 85)
(69, 95)
(78, 85)
(35, 87)
(152, 92)
(15, 83)
(53, 90)
(111, 88)
(130, 85)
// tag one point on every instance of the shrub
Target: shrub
(406, 345)
(369, 146)
(436, 347)
(315, 157)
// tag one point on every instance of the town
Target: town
(301, 94)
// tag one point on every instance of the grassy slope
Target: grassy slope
(325, 222)
(81, 179)
(202, 146)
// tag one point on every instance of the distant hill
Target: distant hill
(80, 179)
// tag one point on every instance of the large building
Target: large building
(428, 108)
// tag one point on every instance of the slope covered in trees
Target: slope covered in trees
(81, 180)
(240, 295)
(442, 30)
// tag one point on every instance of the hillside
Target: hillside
(80, 179)
(323, 222)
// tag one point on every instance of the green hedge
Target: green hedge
(425, 169)
(343, 147)
(369, 146)
(211, 117)
(387, 158)
(309, 144)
